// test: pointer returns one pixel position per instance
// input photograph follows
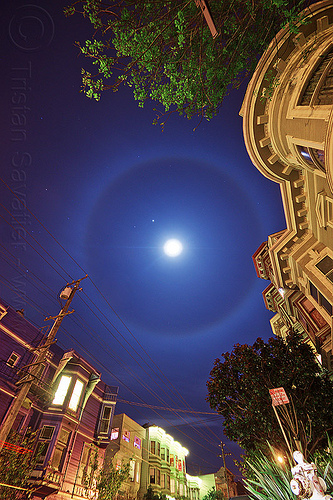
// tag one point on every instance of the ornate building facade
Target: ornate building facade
(288, 131)
(163, 464)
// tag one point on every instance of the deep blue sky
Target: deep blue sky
(109, 188)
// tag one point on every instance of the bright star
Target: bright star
(173, 248)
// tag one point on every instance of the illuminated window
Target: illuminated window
(162, 481)
(115, 433)
(137, 443)
(75, 398)
(13, 359)
(132, 470)
(126, 436)
(62, 390)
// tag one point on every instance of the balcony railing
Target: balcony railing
(45, 481)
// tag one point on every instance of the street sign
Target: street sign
(279, 396)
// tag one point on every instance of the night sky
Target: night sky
(104, 189)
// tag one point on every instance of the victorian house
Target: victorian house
(288, 130)
(68, 405)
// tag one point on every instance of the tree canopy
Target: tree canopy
(165, 50)
(214, 494)
(238, 389)
(102, 482)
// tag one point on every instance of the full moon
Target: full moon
(173, 248)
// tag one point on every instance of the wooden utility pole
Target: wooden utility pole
(32, 375)
(202, 4)
(225, 469)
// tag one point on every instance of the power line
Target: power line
(180, 410)
(54, 260)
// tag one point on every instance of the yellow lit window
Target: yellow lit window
(61, 392)
(75, 398)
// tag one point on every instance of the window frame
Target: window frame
(152, 474)
(44, 441)
(137, 442)
(320, 299)
(126, 436)
(103, 420)
(329, 271)
(12, 365)
(60, 449)
(152, 447)
(42, 457)
(132, 464)
(47, 438)
(295, 144)
(324, 210)
(114, 433)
